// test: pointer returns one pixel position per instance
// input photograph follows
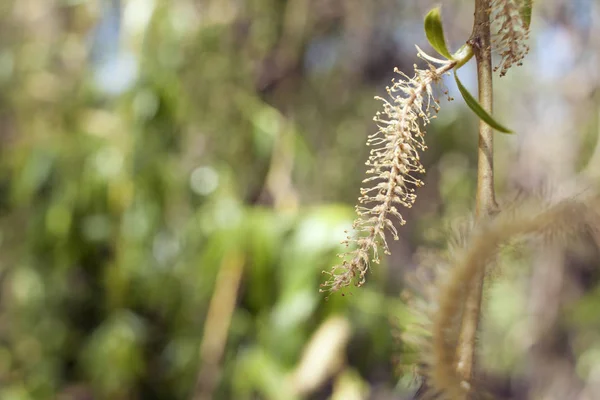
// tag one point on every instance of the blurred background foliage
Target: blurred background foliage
(175, 175)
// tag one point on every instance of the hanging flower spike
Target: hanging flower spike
(393, 163)
(512, 32)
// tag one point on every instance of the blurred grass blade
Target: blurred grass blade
(477, 109)
(435, 32)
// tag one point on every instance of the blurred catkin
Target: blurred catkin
(511, 33)
(442, 278)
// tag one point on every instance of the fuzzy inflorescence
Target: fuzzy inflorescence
(438, 297)
(512, 33)
(393, 163)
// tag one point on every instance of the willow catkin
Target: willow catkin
(559, 221)
(511, 33)
(393, 163)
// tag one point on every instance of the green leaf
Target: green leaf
(435, 32)
(477, 109)
(525, 11)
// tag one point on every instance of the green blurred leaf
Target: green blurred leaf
(435, 32)
(113, 357)
(264, 231)
(525, 11)
(257, 371)
(589, 140)
(317, 234)
(477, 109)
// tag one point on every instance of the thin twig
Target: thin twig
(485, 200)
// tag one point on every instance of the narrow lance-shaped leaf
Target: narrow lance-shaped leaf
(435, 32)
(477, 109)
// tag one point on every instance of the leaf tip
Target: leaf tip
(434, 31)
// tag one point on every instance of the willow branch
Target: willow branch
(485, 200)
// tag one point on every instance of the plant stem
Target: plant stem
(485, 200)
(216, 327)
